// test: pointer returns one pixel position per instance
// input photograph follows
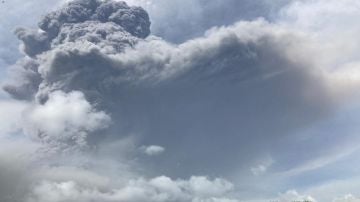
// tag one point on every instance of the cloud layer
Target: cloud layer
(158, 189)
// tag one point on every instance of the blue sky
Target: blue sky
(232, 100)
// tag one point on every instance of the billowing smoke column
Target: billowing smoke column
(97, 82)
(112, 113)
(97, 55)
(67, 51)
(109, 25)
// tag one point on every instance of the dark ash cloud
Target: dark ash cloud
(219, 87)
(110, 25)
(117, 15)
(98, 84)
(134, 20)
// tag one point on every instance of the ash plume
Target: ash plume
(110, 25)
(99, 50)
(111, 111)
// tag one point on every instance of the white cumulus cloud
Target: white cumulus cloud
(153, 150)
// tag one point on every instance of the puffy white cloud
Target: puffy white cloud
(153, 150)
(64, 119)
(159, 189)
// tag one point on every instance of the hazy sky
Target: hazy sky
(179, 101)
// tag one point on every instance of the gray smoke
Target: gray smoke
(66, 23)
(229, 82)
(110, 25)
(94, 79)
(134, 20)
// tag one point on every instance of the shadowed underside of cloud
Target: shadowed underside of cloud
(93, 79)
